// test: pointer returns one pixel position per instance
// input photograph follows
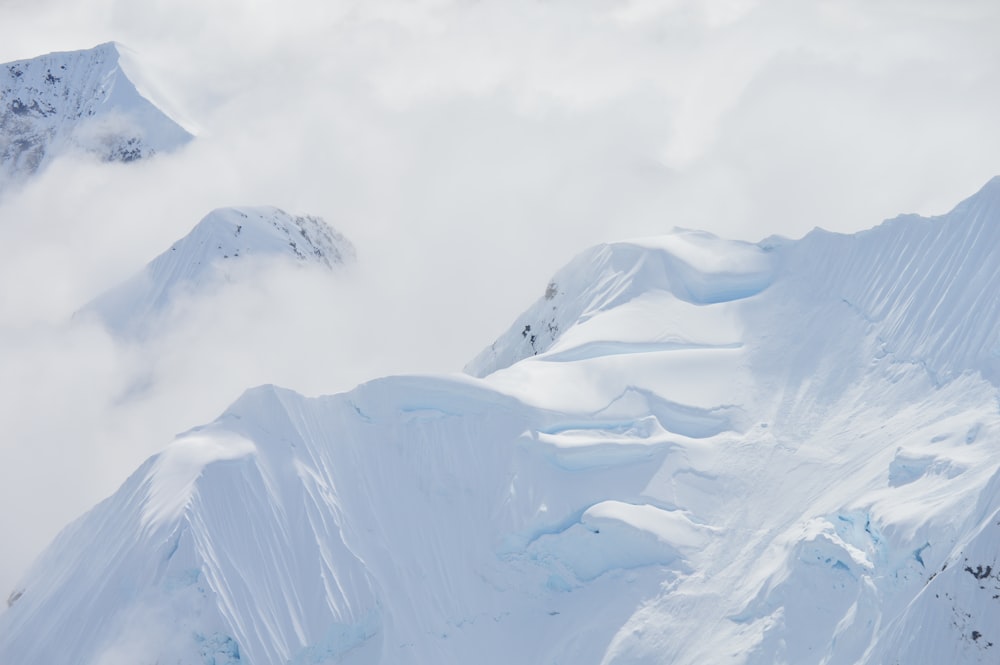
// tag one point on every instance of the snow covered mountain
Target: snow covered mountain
(82, 100)
(224, 239)
(688, 451)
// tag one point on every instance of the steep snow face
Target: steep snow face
(76, 100)
(208, 255)
(925, 285)
(722, 453)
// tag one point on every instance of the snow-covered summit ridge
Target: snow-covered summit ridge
(694, 268)
(248, 231)
(923, 284)
(218, 244)
(77, 100)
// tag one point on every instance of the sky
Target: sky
(468, 149)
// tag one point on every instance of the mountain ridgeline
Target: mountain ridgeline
(689, 450)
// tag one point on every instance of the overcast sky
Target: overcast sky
(469, 149)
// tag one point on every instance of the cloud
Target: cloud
(468, 149)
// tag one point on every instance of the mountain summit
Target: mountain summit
(690, 450)
(81, 100)
(223, 239)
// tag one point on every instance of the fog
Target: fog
(468, 150)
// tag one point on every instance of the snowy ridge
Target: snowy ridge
(223, 238)
(76, 100)
(926, 285)
(728, 453)
(692, 267)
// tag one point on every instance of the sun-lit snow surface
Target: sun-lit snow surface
(660, 284)
(81, 100)
(223, 239)
(718, 453)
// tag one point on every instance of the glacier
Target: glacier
(688, 450)
(78, 101)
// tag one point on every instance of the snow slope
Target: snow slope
(710, 452)
(207, 257)
(78, 100)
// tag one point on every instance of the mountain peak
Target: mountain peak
(694, 267)
(77, 100)
(111, 47)
(992, 186)
(982, 202)
(223, 237)
(233, 232)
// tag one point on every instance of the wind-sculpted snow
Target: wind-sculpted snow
(81, 100)
(718, 453)
(209, 255)
(614, 535)
(692, 269)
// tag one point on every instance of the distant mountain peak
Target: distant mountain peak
(234, 232)
(223, 237)
(77, 100)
